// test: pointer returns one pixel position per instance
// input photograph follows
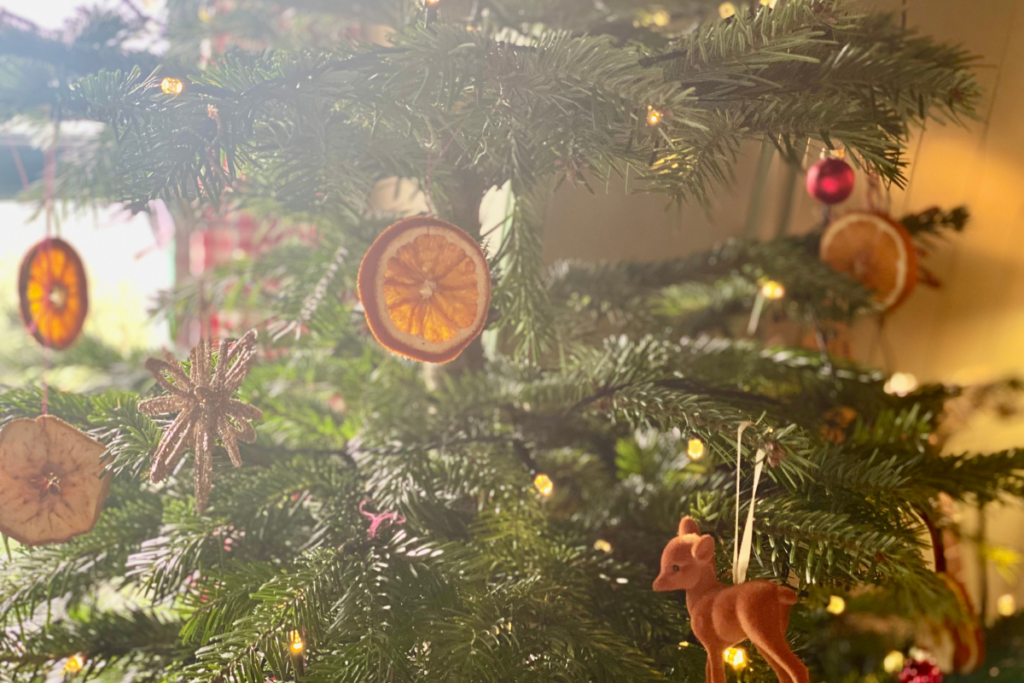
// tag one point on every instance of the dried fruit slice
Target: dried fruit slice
(957, 645)
(51, 487)
(968, 636)
(53, 292)
(426, 288)
(874, 250)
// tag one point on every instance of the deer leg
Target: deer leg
(797, 671)
(776, 665)
(775, 649)
(715, 669)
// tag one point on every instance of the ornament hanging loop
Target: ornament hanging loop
(878, 197)
(742, 547)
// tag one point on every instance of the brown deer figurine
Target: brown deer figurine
(723, 616)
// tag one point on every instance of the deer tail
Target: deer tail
(787, 596)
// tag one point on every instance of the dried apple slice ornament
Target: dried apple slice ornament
(426, 288)
(51, 483)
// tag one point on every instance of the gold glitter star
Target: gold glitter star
(205, 407)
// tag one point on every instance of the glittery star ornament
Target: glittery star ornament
(204, 401)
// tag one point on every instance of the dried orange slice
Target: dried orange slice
(874, 250)
(51, 487)
(54, 293)
(426, 288)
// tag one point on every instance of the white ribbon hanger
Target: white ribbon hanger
(741, 551)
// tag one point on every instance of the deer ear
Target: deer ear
(688, 526)
(704, 549)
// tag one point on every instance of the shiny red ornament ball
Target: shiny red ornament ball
(830, 180)
(917, 671)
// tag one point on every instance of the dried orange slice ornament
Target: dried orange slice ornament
(426, 289)
(53, 292)
(874, 250)
(50, 483)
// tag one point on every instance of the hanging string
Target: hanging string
(430, 167)
(49, 189)
(26, 184)
(49, 182)
(741, 548)
(913, 166)
(879, 201)
(204, 310)
(17, 164)
(426, 184)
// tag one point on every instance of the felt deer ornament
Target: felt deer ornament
(723, 616)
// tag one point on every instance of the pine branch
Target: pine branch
(520, 295)
(137, 641)
(829, 74)
(75, 569)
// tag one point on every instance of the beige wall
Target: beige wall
(972, 329)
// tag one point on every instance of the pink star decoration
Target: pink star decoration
(377, 519)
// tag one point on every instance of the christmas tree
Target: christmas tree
(500, 517)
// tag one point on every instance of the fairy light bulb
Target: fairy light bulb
(172, 86)
(661, 18)
(1006, 605)
(773, 290)
(653, 117)
(901, 384)
(770, 4)
(544, 485)
(736, 657)
(695, 449)
(432, 3)
(296, 645)
(726, 10)
(920, 654)
(602, 545)
(836, 605)
(894, 661)
(74, 664)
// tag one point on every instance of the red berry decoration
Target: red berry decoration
(830, 180)
(918, 671)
